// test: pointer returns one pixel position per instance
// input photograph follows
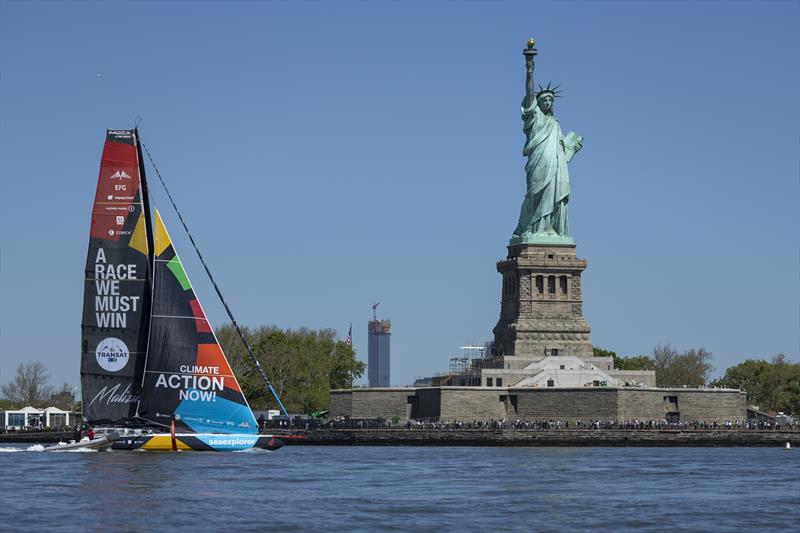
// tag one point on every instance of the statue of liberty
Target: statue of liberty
(543, 217)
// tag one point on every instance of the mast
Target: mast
(148, 217)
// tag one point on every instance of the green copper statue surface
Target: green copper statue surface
(543, 217)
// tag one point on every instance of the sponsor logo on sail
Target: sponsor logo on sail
(112, 395)
(192, 387)
(120, 175)
(112, 354)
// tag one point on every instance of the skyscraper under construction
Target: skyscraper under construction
(378, 350)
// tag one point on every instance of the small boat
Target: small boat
(103, 442)
(150, 360)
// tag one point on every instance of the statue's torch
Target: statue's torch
(529, 51)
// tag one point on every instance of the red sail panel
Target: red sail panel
(116, 305)
(200, 322)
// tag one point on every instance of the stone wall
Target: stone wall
(371, 403)
(341, 403)
(705, 405)
(471, 403)
(564, 404)
(710, 405)
(427, 404)
(536, 437)
(586, 404)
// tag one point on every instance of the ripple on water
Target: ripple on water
(403, 488)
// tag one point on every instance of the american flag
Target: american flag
(349, 339)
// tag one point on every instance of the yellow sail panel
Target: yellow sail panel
(161, 237)
(139, 236)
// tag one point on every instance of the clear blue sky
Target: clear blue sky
(329, 155)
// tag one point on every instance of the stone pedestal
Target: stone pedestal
(541, 313)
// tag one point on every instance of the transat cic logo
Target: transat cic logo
(112, 354)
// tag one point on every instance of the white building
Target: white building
(551, 371)
(31, 417)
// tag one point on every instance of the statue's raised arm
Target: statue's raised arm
(530, 53)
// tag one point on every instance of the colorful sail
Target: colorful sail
(116, 305)
(187, 374)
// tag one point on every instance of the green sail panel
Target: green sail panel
(187, 375)
(176, 268)
(116, 301)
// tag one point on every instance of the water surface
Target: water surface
(304, 488)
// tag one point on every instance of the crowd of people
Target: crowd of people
(544, 425)
(599, 424)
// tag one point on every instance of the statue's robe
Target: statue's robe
(544, 209)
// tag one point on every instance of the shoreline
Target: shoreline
(503, 437)
(553, 437)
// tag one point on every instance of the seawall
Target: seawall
(35, 437)
(523, 437)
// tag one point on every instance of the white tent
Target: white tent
(33, 417)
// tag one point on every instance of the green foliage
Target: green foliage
(634, 362)
(303, 365)
(773, 386)
(674, 369)
(600, 352)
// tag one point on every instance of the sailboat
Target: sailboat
(152, 369)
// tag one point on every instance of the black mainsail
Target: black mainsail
(116, 304)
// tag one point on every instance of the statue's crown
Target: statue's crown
(552, 91)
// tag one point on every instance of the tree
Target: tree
(303, 365)
(634, 362)
(773, 386)
(346, 367)
(63, 398)
(29, 385)
(674, 369)
(600, 352)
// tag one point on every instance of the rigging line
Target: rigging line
(216, 288)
